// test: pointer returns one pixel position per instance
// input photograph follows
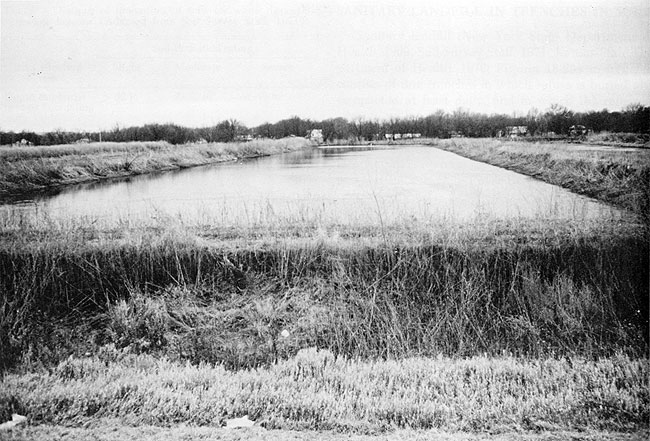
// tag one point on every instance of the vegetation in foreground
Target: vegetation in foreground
(316, 390)
(31, 169)
(492, 326)
(536, 328)
(112, 429)
(620, 177)
(532, 290)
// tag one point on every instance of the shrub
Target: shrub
(140, 322)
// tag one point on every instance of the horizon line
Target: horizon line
(513, 114)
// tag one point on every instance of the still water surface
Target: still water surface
(333, 184)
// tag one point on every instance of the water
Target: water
(330, 185)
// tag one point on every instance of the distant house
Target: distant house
(395, 136)
(316, 135)
(578, 133)
(23, 142)
(577, 130)
(516, 131)
(83, 141)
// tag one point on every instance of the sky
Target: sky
(86, 65)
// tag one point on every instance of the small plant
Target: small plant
(140, 322)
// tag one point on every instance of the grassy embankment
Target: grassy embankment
(615, 139)
(171, 322)
(31, 169)
(620, 177)
(183, 295)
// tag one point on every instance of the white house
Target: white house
(316, 135)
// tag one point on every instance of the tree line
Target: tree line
(557, 119)
(225, 131)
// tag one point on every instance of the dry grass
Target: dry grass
(316, 390)
(620, 139)
(528, 288)
(30, 169)
(617, 176)
(112, 429)
(491, 325)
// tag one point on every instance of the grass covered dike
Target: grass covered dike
(541, 330)
(493, 326)
(26, 170)
(617, 176)
(379, 299)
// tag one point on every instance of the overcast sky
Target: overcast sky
(80, 65)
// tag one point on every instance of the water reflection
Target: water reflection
(329, 184)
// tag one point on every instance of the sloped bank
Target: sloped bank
(188, 299)
(620, 177)
(27, 170)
